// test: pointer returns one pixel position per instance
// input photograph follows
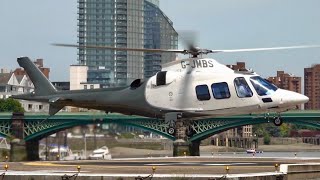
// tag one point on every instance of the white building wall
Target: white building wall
(78, 75)
(13, 87)
(31, 106)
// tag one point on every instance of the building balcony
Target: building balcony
(121, 36)
(81, 6)
(122, 1)
(121, 41)
(122, 12)
(121, 75)
(121, 70)
(81, 23)
(121, 5)
(121, 29)
(121, 64)
(122, 24)
(81, 11)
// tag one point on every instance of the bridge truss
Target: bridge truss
(35, 126)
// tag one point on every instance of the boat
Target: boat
(252, 150)
(101, 153)
(63, 153)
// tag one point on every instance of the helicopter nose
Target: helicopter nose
(293, 98)
(301, 99)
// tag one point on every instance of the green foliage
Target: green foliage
(4, 153)
(10, 105)
(261, 129)
(266, 139)
(274, 131)
(127, 135)
(285, 130)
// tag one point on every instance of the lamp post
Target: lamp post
(85, 141)
(85, 146)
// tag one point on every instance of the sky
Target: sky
(29, 27)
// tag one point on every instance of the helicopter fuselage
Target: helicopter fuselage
(208, 88)
(194, 87)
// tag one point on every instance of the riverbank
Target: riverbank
(271, 148)
(123, 152)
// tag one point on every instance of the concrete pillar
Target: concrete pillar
(227, 141)
(180, 145)
(194, 148)
(32, 148)
(24, 150)
(18, 150)
(17, 144)
(180, 148)
(217, 141)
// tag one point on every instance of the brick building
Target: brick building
(240, 66)
(312, 86)
(286, 81)
(39, 63)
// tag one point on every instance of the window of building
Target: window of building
(85, 87)
(2, 89)
(91, 87)
(220, 90)
(242, 88)
(40, 107)
(202, 92)
(29, 106)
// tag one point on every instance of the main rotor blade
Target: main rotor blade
(122, 48)
(264, 49)
(189, 40)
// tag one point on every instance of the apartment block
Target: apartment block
(312, 86)
(286, 81)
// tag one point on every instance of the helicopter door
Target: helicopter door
(242, 88)
(245, 99)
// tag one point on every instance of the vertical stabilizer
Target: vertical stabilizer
(42, 85)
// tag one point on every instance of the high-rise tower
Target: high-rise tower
(122, 23)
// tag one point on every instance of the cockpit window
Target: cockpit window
(262, 86)
(242, 88)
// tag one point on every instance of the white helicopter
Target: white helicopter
(189, 89)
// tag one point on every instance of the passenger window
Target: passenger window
(242, 88)
(220, 90)
(202, 92)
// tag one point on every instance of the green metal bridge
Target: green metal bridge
(37, 126)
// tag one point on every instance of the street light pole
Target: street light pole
(85, 145)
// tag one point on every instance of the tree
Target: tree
(10, 105)
(284, 130)
(259, 130)
(266, 139)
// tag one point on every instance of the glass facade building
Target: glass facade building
(123, 23)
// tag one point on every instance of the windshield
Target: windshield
(262, 86)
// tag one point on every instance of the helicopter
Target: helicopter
(187, 89)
